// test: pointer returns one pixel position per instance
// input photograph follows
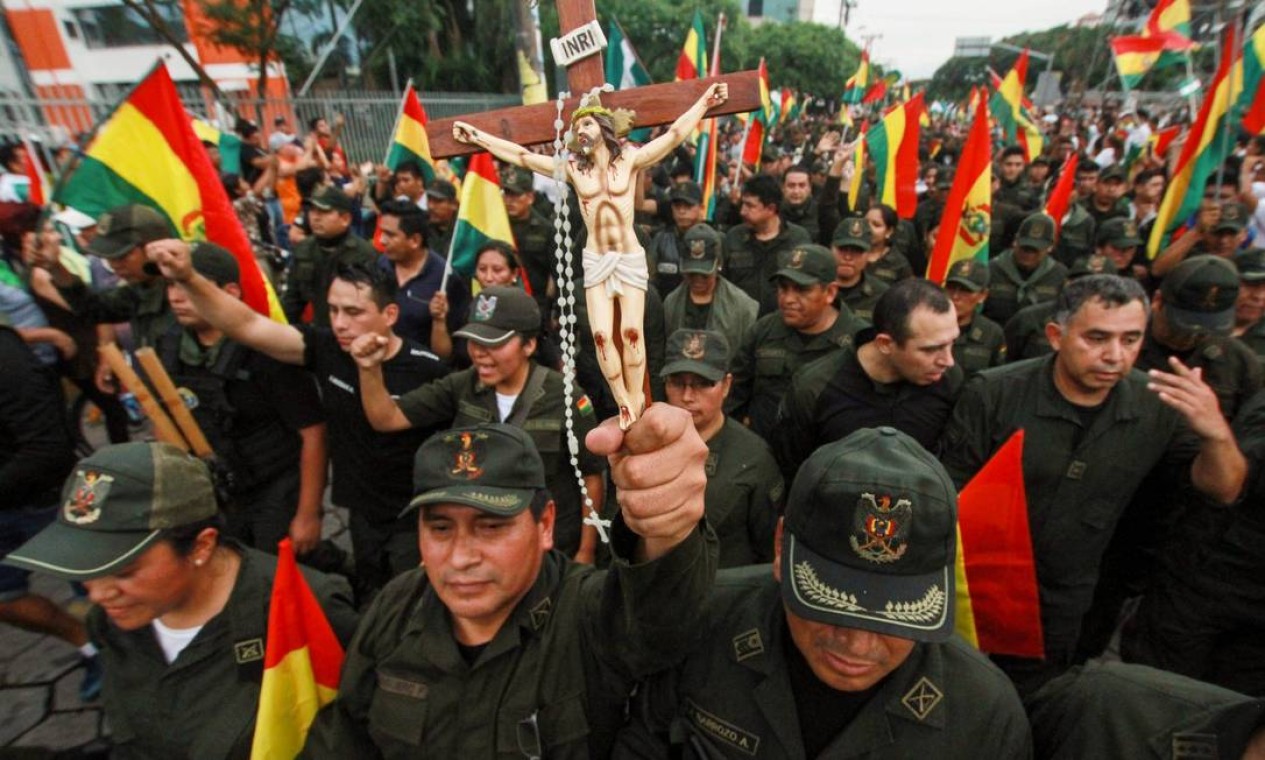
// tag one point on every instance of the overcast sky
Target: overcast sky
(918, 35)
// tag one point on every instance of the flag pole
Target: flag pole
(399, 114)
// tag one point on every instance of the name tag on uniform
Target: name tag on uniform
(402, 686)
(1076, 470)
(341, 384)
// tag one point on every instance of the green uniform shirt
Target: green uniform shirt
(862, 297)
(979, 345)
(762, 366)
(460, 400)
(1229, 367)
(892, 268)
(533, 237)
(732, 697)
(1076, 236)
(1119, 209)
(560, 668)
(731, 312)
(312, 269)
(203, 705)
(1079, 480)
(1254, 339)
(750, 262)
(1009, 290)
(1025, 332)
(744, 495)
(806, 215)
(143, 306)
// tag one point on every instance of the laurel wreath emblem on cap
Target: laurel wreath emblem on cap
(695, 346)
(84, 505)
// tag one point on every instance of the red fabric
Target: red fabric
(1061, 197)
(296, 620)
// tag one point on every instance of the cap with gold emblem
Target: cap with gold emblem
(1232, 219)
(1036, 231)
(114, 506)
(1093, 264)
(702, 250)
(1199, 294)
(702, 352)
(870, 538)
(495, 468)
(1119, 232)
(123, 228)
(968, 273)
(853, 232)
(806, 265)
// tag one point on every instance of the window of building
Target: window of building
(112, 26)
(755, 8)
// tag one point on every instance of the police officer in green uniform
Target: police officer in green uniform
(316, 259)
(1108, 201)
(1077, 231)
(1025, 331)
(744, 489)
(858, 289)
(752, 249)
(504, 385)
(980, 342)
(1012, 198)
(533, 232)
(847, 648)
(806, 326)
(1026, 274)
(442, 205)
(122, 234)
(1094, 429)
(798, 204)
(1249, 310)
(262, 418)
(180, 612)
(1118, 240)
(706, 300)
(499, 646)
(1219, 231)
(666, 252)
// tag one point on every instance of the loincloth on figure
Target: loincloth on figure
(615, 270)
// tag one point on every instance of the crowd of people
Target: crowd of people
(762, 566)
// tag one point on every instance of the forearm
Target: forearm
(313, 461)
(440, 339)
(1174, 254)
(383, 413)
(242, 324)
(1220, 469)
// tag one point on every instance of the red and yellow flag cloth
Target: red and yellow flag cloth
(1013, 111)
(892, 145)
(409, 143)
(1060, 199)
(481, 217)
(1164, 40)
(998, 603)
(37, 192)
(965, 225)
(692, 62)
(146, 152)
(301, 664)
(1251, 101)
(854, 89)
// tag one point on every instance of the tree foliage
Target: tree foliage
(252, 27)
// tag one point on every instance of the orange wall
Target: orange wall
(37, 35)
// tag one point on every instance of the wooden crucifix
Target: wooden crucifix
(604, 171)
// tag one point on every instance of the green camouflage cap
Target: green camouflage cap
(870, 537)
(1199, 295)
(686, 192)
(703, 352)
(853, 232)
(807, 265)
(1251, 264)
(123, 228)
(1119, 232)
(517, 181)
(498, 314)
(1115, 172)
(216, 264)
(1093, 264)
(702, 250)
(331, 198)
(1233, 218)
(970, 274)
(114, 506)
(1036, 231)
(495, 468)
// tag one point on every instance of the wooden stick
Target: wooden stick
(171, 399)
(164, 430)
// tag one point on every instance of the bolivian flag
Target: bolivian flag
(1012, 111)
(301, 664)
(409, 143)
(146, 152)
(854, 89)
(481, 216)
(1251, 102)
(1060, 199)
(998, 603)
(965, 225)
(893, 147)
(692, 63)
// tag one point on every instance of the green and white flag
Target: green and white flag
(624, 69)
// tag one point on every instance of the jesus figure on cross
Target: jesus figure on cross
(604, 171)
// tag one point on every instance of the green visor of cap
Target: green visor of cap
(114, 246)
(702, 369)
(1220, 322)
(918, 607)
(76, 554)
(965, 282)
(485, 334)
(505, 502)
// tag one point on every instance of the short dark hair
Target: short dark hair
(765, 188)
(410, 167)
(897, 304)
(798, 169)
(8, 151)
(311, 123)
(1013, 150)
(1086, 165)
(382, 284)
(1146, 175)
(539, 501)
(1111, 289)
(183, 537)
(307, 180)
(412, 219)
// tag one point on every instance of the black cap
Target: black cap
(1119, 232)
(970, 274)
(686, 192)
(853, 232)
(495, 468)
(123, 228)
(1251, 264)
(702, 250)
(216, 264)
(331, 198)
(1232, 219)
(1199, 294)
(517, 181)
(806, 264)
(498, 313)
(702, 352)
(770, 153)
(442, 190)
(871, 538)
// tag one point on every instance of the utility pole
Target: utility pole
(845, 12)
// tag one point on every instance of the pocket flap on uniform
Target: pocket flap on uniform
(398, 708)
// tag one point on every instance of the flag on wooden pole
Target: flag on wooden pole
(966, 222)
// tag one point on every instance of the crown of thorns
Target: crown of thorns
(591, 105)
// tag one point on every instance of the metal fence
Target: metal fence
(369, 116)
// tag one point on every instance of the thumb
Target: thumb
(606, 439)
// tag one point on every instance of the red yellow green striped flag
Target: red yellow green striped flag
(854, 89)
(692, 63)
(146, 152)
(1207, 145)
(301, 664)
(481, 216)
(1170, 21)
(1251, 101)
(965, 224)
(1013, 111)
(409, 143)
(893, 147)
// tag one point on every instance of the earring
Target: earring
(198, 562)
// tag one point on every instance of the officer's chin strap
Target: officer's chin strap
(563, 243)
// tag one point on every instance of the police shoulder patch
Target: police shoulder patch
(922, 698)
